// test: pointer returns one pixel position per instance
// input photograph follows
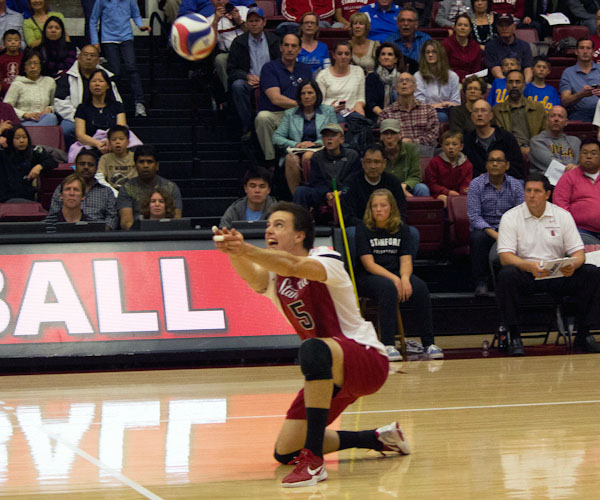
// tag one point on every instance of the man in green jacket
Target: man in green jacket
(402, 158)
(520, 116)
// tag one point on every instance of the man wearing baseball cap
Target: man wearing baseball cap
(402, 158)
(334, 161)
(507, 45)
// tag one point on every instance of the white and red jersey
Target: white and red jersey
(323, 309)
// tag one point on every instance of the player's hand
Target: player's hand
(406, 289)
(228, 241)
(567, 271)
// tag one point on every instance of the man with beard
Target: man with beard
(520, 116)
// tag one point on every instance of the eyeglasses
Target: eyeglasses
(33, 63)
(589, 153)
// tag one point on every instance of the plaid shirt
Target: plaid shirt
(419, 122)
(99, 204)
(486, 205)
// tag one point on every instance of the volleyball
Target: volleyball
(193, 37)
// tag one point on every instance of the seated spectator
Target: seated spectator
(498, 92)
(293, 10)
(537, 89)
(228, 25)
(20, 165)
(116, 37)
(134, 190)
(578, 84)
(58, 55)
(344, 9)
(74, 85)
(117, 166)
(380, 85)
(464, 53)
(99, 203)
(382, 15)
(408, 39)
(10, 60)
(312, 52)
(437, 84)
(9, 19)
(31, 94)
(534, 12)
(334, 161)
(524, 242)
(301, 129)
(343, 84)
(402, 159)
(450, 172)
(554, 144)
(486, 137)
(279, 80)
(386, 274)
(71, 194)
(257, 202)
(489, 196)
(418, 120)
(244, 65)
(448, 12)
(522, 117)
(460, 116)
(517, 9)
(483, 22)
(34, 27)
(363, 48)
(507, 44)
(584, 12)
(578, 191)
(159, 205)
(98, 112)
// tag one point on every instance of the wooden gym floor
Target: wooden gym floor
(485, 428)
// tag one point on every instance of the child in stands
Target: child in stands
(10, 60)
(117, 166)
(450, 172)
(498, 92)
(537, 89)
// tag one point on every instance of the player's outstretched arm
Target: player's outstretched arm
(232, 243)
(286, 264)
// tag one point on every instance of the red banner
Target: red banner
(83, 297)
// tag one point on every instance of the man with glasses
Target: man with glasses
(578, 191)
(408, 39)
(486, 138)
(530, 234)
(489, 196)
(73, 86)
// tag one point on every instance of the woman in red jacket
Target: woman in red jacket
(464, 53)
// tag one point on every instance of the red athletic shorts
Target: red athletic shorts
(365, 371)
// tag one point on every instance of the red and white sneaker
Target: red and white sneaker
(309, 471)
(393, 439)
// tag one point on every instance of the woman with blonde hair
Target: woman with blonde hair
(385, 272)
(436, 83)
(363, 49)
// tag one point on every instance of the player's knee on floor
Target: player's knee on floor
(285, 458)
(315, 360)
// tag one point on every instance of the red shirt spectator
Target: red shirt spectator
(514, 7)
(463, 60)
(9, 70)
(441, 176)
(596, 41)
(580, 195)
(349, 7)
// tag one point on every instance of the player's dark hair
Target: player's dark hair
(117, 128)
(145, 150)
(10, 32)
(538, 177)
(303, 221)
(258, 173)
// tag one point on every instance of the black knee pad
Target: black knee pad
(315, 360)
(286, 458)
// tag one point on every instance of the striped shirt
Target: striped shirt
(486, 205)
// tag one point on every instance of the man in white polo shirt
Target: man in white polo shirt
(537, 231)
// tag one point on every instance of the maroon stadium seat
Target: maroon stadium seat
(49, 179)
(527, 35)
(269, 7)
(47, 136)
(459, 224)
(22, 212)
(577, 32)
(427, 215)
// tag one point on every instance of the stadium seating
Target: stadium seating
(22, 212)
(47, 136)
(459, 224)
(427, 215)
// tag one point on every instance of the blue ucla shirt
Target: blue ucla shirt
(547, 95)
(498, 93)
(317, 59)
